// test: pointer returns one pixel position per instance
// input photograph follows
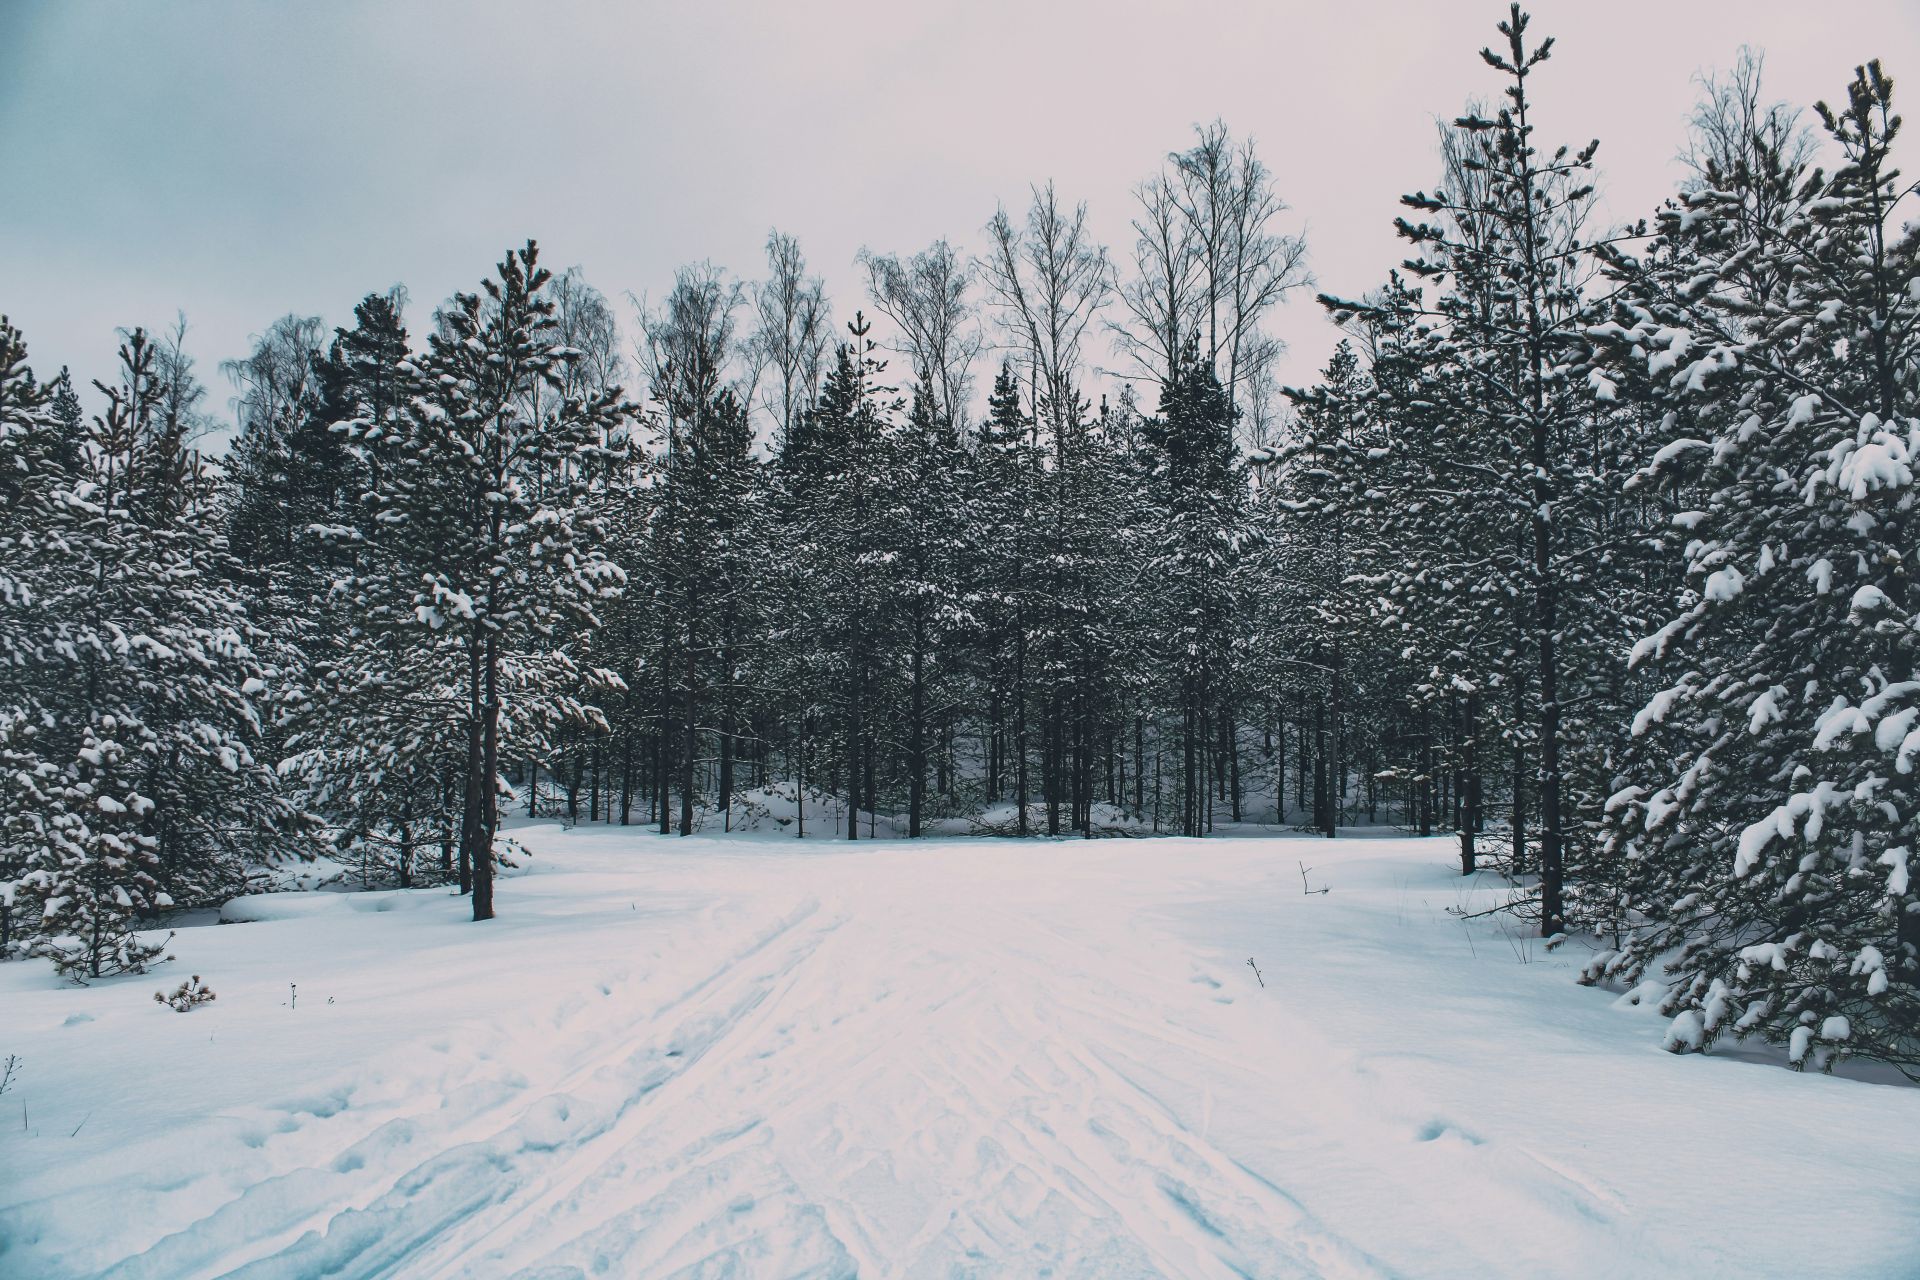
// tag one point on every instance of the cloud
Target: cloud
(241, 161)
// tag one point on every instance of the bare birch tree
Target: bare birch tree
(925, 296)
(793, 328)
(1049, 280)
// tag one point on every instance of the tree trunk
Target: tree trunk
(690, 743)
(661, 785)
(1427, 770)
(1519, 783)
(1470, 805)
(1230, 734)
(917, 728)
(490, 792)
(1020, 721)
(470, 801)
(854, 730)
(1552, 906)
(404, 872)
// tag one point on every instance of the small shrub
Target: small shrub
(186, 997)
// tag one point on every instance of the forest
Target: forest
(1589, 551)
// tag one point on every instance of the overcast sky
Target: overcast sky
(240, 161)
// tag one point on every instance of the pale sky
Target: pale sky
(242, 160)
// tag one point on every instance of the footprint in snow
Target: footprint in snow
(321, 1105)
(1436, 1130)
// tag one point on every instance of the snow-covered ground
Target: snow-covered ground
(758, 1058)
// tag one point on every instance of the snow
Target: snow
(1877, 460)
(753, 1056)
(1896, 862)
(1673, 449)
(1724, 584)
(1820, 574)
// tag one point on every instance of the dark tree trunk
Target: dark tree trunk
(1470, 808)
(661, 786)
(1230, 734)
(690, 742)
(404, 871)
(490, 791)
(854, 731)
(1426, 771)
(917, 727)
(1020, 721)
(471, 801)
(626, 777)
(1519, 783)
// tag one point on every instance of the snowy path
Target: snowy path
(964, 1058)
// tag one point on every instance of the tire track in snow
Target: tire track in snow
(561, 1186)
(1139, 1153)
(956, 1078)
(477, 1162)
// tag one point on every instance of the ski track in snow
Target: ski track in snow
(947, 1061)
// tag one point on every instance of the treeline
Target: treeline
(1632, 512)
(1590, 547)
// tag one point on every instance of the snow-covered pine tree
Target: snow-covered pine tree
(1111, 533)
(1770, 812)
(37, 463)
(1312, 507)
(581, 753)
(371, 733)
(163, 640)
(622, 504)
(477, 529)
(1515, 318)
(1201, 489)
(917, 523)
(284, 468)
(97, 867)
(833, 467)
(270, 505)
(700, 563)
(1003, 481)
(72, 422)
(129, 718)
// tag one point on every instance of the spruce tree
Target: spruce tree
(477, 532)
(97, 868)
(1006, 467)
(1201, 483)
(130, 722)
(1767, 813)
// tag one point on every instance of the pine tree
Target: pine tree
(71, 420)
(1327, 528)
(840, 455)
(37, 468)
(1005, 471)
(99, 865)
(1767, 812)
(477, 530)
(130, 724)
(917, 528)
(704, 525)
(366, 695)
(1202, 489)
(1509, 326)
